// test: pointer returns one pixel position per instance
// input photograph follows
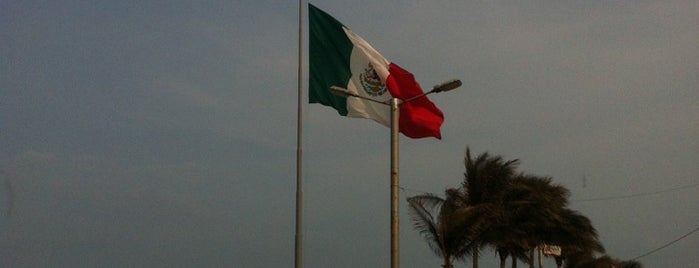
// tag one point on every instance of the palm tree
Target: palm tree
(533, 204)
(575, 235)
(463, 222)
(540, 208)
(485, 179)
(440, 221)
(514, 214)
(509, 242)
(503, 232)
(537, 214)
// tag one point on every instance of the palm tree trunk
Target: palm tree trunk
(514, 262)
(475, 255)
(531, 258)
(559, 262)
(503, 260)
(447, 262)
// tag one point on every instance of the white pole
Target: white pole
(395, 229)
(298, 248)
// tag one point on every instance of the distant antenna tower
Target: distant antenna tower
(584, 181)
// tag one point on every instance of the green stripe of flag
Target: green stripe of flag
(329, 59)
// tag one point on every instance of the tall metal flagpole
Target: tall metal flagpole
(298, 248)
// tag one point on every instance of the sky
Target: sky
(163, 133)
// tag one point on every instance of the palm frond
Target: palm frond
(421, 208)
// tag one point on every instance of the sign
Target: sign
(550, 250)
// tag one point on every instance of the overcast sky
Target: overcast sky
(163, 133)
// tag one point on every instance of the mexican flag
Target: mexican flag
(339, 57)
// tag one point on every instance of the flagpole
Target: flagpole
(298, 248)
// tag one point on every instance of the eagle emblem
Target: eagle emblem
(371, 82)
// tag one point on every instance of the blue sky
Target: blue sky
(163, 133)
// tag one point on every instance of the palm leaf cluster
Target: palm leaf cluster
(501, 209)
(582, 260)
